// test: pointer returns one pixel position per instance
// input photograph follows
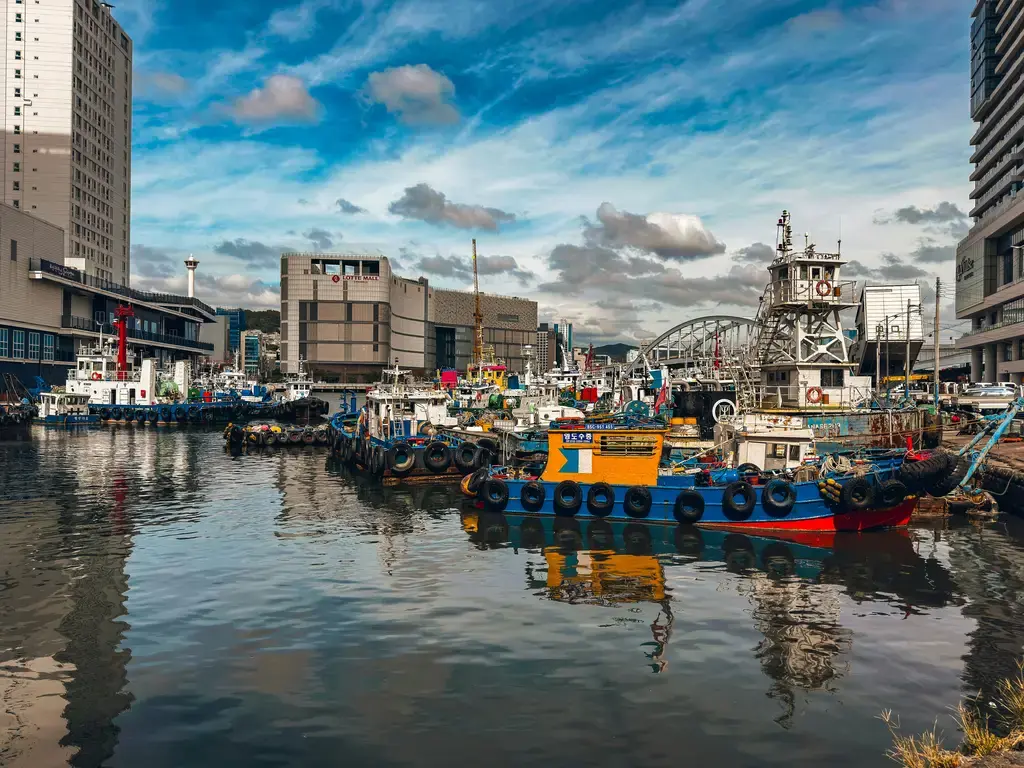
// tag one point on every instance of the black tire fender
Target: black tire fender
(689, 507)
(778, 497)
(857, 494)
(637, 501)
(532, 497)
(600, 499)
(738, 508)
(568, 498)
(466, 456)
(437, 456)
(495, 494)
(401, 459)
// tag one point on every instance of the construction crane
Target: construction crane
(478, 321)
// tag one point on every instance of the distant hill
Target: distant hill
(616, 352)
(266, 320)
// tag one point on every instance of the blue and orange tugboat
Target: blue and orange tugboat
(615, 470)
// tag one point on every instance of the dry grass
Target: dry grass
(926, 750)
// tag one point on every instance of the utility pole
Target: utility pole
(906, 388)
(887, 361)
(878, 360)
(935, 340)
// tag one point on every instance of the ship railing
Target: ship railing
(781, 397)
(803, 290)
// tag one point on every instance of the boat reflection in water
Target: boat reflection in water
(795, 584)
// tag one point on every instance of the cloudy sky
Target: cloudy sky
(624, 163)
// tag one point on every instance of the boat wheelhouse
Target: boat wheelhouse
(65, 409)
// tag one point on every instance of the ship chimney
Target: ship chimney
(190, 265)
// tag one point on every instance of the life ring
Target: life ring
(495, 494)
(401, 459)
(823, 288)
(437, 457)
(814, 395)
(600, 500)
(97, 376)
(568, 498)
(532, 496)
(738, 500)
(778, 497)
(637, 501)
(689, 508)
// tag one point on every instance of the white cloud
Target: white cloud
(417, 95)
(282, 98)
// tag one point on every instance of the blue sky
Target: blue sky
(619, 162)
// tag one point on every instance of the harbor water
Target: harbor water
(164, 603)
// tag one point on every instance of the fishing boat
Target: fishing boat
(614, 469)
(65, 409)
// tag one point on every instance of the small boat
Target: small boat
(65, 409)
(613, 469)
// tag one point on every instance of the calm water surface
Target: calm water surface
(163, 603)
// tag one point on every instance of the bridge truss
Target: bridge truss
(708, 348)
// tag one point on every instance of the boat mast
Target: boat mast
(122, 314)
(478, 322)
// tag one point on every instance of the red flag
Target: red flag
(662, 397)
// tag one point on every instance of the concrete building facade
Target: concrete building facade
(989, 261)
(49, 310)
(347, 316)
(66, 155)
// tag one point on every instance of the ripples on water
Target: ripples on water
(163, 603)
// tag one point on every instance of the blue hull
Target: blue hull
(76, 420)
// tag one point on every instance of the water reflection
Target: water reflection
(163, 602)
(796, 585)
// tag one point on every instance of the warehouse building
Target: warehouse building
(347, 316)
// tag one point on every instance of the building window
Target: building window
(19, 345)
(17, 18)
(4, 350)
(33, 345)
(17, 74)
(17, 93)
(17, 149)
(508, 318)
(48, 346)
(14, 250)
(17, 129)
(17, 37)
(17, 186)
(1007, 353)
(16, 203)
(17, 111)
(17, 55)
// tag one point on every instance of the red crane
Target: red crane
(121, 315)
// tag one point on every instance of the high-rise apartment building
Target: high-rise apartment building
(67, 117)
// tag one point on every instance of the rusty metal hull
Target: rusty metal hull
(874, 429)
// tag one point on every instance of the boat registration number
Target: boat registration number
(578, 438)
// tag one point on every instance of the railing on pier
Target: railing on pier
(88, 324)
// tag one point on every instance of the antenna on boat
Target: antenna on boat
(478, 321)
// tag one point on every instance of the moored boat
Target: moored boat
(614, 470)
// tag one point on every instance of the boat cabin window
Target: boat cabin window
(777, 451)
(803, 271)
(832, 377)
(815, 273)
(784, 273)
(628, 445)
(794, 453)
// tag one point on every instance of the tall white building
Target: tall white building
(67, 116)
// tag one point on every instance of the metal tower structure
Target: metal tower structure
(799, 321)
(478, 320)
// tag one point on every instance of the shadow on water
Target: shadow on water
(164, 602)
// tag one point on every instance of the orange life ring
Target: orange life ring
(97, 376)
(814, 395)
(823, 287)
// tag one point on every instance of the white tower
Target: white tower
(190, 265)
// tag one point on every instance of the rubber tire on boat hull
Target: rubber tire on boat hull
(738, 510)
(892, 493)
(637, 502)
(477, 480)
(568, 498)
(495, 495)
(774, 506)
(857, 495)
(466, 456)
(600, 499)
(689, 508)
(401, 459)
(532, 497)
(947, 483)
(437, 456)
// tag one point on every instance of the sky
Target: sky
(623, 163)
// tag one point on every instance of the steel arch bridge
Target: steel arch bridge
(701, 348)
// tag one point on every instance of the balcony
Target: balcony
(90, 325)
(77, 276)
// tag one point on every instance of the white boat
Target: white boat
(64, 409)
(97, 377)
(396, 410)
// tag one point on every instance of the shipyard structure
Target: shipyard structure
(348, 316)
(989, 261)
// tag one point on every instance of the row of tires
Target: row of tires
(739, 500)
(16, 415)
(235, 434)
(195, 414)
(400, 458)
(937, 475)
